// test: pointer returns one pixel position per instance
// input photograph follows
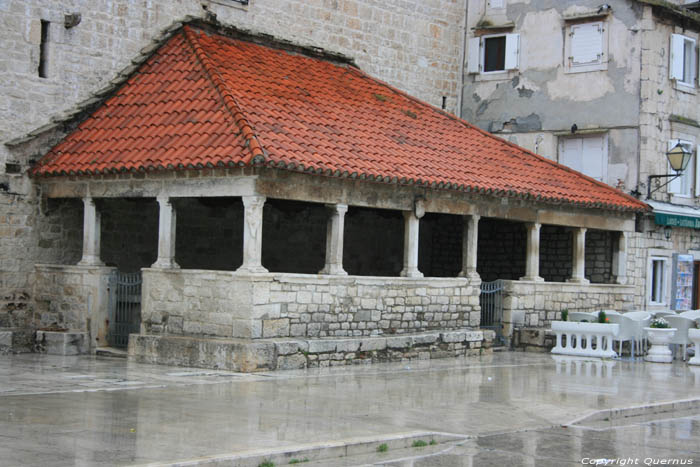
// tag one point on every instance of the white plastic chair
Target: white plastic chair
(663, 314)
(628, 329)
(692, 314)
(583, 316)
(680, 337)
(642, 319)
(608, 312)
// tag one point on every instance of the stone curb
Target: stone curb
(626, 415)
(326, 451)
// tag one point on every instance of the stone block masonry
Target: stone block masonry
(228, 304)
(537, 304)
(74, 298)
(289, 354)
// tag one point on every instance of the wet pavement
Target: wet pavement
(63, 411)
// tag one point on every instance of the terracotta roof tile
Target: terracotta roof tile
(209, 99)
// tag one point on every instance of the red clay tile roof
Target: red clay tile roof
(206, 100)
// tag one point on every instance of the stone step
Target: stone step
(111, 352)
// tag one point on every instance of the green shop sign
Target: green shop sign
(677, 221)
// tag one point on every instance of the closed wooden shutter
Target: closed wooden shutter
(676, 58)
(512, 51)
(473, 55)
(587, 44)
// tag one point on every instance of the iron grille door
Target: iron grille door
(491, 301)
(124, 307)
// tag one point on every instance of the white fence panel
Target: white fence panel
(580, 338)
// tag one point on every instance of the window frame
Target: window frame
(664, 286)
(693, 67)
(512, 39)
(602, 65)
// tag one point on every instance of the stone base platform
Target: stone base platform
(16, 340)
(250, 355)
(62, 343)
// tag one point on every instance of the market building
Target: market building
(285, 210)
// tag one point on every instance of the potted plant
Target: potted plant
(659, 334)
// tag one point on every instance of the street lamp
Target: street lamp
(678, 157)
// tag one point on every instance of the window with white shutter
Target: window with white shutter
(682, 60)
(493, 53)
(586, 47)
(587, 154)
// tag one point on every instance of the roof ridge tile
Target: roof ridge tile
(256, 152)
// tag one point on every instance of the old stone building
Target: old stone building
(60, 53)
(606, 89)
(274, 155)
(373, 232)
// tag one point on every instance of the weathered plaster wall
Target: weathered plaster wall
(529, 105)
(225, 304)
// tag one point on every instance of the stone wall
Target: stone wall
(129, 239)
(501, 250)
(556, 253)
(667, 110)
(440, 247)
(373, 243)
(599, 254)
(411, 44)
(537, 304)
(73, 297)
(209, 233)
(227, 304)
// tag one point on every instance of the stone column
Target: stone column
(252, 235)
(334, 241)
(167, 222)
(91, 234)
(579, 260)
(619, 262)
(470, 239)
(410, 245)
(532, 259)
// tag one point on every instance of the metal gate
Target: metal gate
(124, 307)
(491, 301)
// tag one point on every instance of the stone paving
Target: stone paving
(103, 411)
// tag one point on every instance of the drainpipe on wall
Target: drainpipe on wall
(462, 58)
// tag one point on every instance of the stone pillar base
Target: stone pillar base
(333, 270)
(252, 270)
(532, 278)
(90, 260)
(165, 264)
(578, 280)
(411, 273)
(469, 275)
